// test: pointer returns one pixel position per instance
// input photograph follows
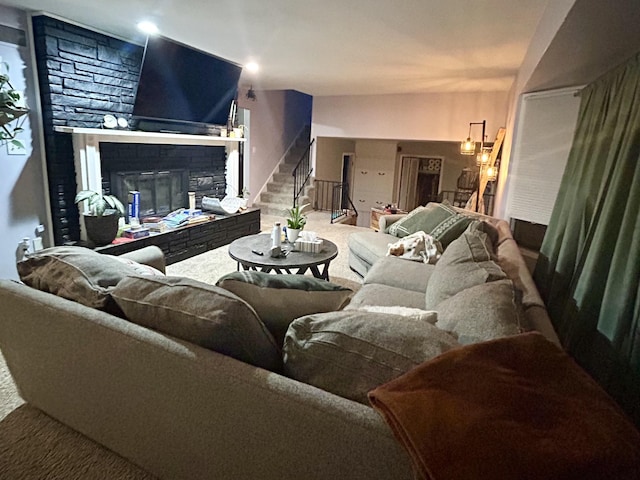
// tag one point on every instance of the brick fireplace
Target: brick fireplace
(84, 75)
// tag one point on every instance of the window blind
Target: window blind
(541, 148)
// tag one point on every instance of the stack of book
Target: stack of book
(154, 224)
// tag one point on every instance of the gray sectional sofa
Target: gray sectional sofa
(182, 410)
(389, 280)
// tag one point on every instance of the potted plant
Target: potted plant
(9, 110)
(295, 222)
(101, 217)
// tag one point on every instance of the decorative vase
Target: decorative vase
(101, 230)
(292, 234)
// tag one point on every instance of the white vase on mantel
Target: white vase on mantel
(292, 234)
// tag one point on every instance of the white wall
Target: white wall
(276, 119)
(552, 19)
(23, 188)
(435, 116)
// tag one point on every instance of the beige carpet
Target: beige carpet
(35, 446)
(211, 265)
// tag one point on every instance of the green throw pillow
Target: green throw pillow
(280, 299)
(439, 220)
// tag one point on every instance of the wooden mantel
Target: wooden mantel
(134, 136)
(86, 152)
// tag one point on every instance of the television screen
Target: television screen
(180, 83)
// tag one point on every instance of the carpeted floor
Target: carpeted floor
(211, 265)
(35, 446)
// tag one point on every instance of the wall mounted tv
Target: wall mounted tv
(183, 89)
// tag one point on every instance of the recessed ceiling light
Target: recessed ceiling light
(252, 67)
(147, 27)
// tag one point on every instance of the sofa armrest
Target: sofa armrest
(385, 221)
(150, 255)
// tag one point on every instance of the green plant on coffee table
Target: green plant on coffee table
(9, 109)
(296, 219)
(99, 203)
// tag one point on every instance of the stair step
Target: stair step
(283, 178)
(286, 168)
(285, 188)
(272, 197)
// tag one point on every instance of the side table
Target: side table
(376, 213)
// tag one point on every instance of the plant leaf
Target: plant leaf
(84, 195)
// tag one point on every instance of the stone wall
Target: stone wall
(84, 75)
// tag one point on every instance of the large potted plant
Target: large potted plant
(295, 223)
(101, 217)
(10, 111)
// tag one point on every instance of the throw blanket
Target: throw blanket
(513, 408)
(418, 246)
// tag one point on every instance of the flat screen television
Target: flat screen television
(180, 86)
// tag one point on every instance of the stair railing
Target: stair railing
(301, 174)
(341, 202)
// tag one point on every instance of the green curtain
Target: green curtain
(588, 271)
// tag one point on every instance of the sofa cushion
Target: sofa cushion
(482, 226)
(387, 296)
(399, 273)
(484, 312)
(369, 245)
(465, 263)
(439, 220)
(209, 316)
(279, 299)
(140, 268)
(350, 352)
(77, 273)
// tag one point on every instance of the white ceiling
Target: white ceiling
(331, 47)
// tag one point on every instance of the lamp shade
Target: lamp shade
(483, 157)
(468, 147)
(492, 174)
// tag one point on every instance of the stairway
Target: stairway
(277, 197)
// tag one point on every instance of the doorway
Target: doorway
(347, 177)
(420, 180)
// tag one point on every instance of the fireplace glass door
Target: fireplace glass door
(161, 192)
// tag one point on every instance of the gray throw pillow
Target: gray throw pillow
(279, 299)
(79, 274)
(465, 263)
(351, 352)
(484, 312)
(200, 313)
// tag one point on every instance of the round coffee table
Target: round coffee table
(243, 251)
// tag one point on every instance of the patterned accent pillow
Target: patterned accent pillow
(439, 220)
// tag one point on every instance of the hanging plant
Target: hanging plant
(9, 110)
